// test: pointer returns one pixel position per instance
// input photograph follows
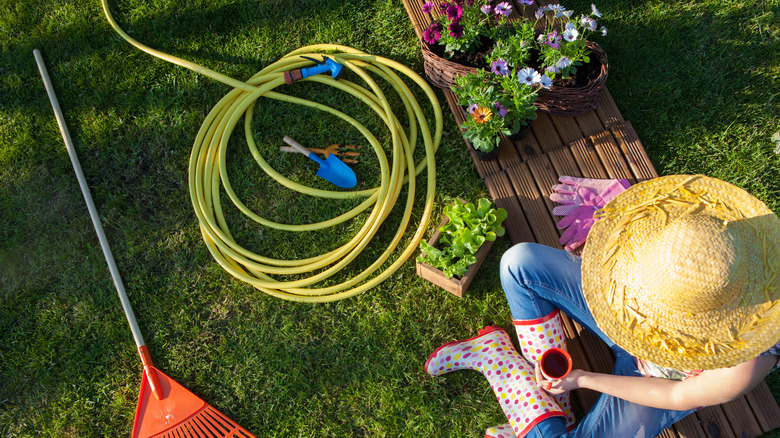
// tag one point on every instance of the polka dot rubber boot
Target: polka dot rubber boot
(539, 335)
(512, 378)
(503, 431)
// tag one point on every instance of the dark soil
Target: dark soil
(475, 58)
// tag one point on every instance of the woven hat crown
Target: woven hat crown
(684, 271)
(693, 264)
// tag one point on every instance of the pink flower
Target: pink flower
(456, 30)
(500, 68)
(427, 8)
(432, 34)
(503, 8)
(553, 40)
(454, 12)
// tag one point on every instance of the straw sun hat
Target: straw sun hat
(684, 271)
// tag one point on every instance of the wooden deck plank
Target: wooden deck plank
(607, 110)
(741, 418)
(588, 159)
(689, 427)
(527, 148)
(763, 404)
(714, 422)
(567, 128)
(589, 123)
(504, 196)
(545, 133)
(545, 177)
(420, 19)
(634, 151)
(611, 156)
(564, 162)
(533, 205)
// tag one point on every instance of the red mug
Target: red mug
(555, 364)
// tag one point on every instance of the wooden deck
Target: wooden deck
(599, 144)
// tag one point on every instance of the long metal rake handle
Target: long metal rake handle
(74, 159)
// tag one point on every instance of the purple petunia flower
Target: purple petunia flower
(552, 69)
(456, 30)
(553, 40)
(471, 108)
(500, 110)
(432, 34)
(499, 67)
(487, 9)
(454, 12)
(503, 8)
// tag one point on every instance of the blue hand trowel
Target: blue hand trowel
(331, 169)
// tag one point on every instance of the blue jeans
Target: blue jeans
(536, 280)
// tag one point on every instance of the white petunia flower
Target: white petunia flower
(539, 14)
(545, 82)
(529, 76)
(603, 31)
(570, 34)
(563, 63)
(588, 23)
(595, 11)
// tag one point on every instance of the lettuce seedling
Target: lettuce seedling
(468, 228)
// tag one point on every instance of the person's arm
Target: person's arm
(711, 387)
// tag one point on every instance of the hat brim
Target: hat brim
(709, 339)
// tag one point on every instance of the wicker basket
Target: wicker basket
(575, 101)
(442, 72)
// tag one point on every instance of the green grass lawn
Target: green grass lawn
(699, 80)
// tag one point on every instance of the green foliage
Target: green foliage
(513, 45)
(563, 44)
(469, 226)
(496, 104)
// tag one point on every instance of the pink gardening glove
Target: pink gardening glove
(579, 220)
(567, 193)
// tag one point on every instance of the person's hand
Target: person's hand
(557, 386)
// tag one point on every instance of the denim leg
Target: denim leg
(537, 278)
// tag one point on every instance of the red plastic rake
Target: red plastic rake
(165, 408)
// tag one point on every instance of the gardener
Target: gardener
(680, 277)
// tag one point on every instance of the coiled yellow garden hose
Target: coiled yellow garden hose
(208, 168)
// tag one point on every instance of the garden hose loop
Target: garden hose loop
(208, 177)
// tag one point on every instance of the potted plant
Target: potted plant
(578, 67)
(460, 35)
(466, 35)
(500, 101)
(461, 243)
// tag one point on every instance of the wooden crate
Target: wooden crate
(456, 286)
